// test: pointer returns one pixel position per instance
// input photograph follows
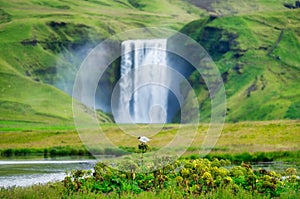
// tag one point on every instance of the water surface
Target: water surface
(29, 172)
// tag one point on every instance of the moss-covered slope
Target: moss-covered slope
(42, 43)
(258, 55)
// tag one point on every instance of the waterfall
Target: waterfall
(142, 98)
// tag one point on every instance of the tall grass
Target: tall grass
(286, 156)
(50, 191)
(65, 151)
(47, 152)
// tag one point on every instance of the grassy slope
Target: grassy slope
(38, 40)
(260, 68)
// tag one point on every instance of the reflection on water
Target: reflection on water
(278, 167)
(29, 172)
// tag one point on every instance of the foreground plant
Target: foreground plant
(186, 177)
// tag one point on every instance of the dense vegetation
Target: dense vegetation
(179, 179)
(183, 178)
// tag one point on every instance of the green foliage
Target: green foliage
(198, 178)
(137, 4)
(143, 147)
(48, 191)
(187, 178)
(258, 57)
(4, 17)
(66, 151)
(44, 42)
(289, 156)
(293, 111)
(47, 152)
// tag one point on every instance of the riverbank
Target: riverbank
(191, 153)
(187, 178)
(244, 141)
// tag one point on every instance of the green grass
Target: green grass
(274, 156)
(229, 7)
(54, 191)
(33, 53)
(237, 138)
(37, 191)
(260, 65)
(34, 104)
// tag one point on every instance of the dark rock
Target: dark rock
(223, 46)
(288, 5)
(224, 76)
(213, 16)
(49, 70)
(55, 24)
(27, 73)
(263, 82)
(238, 55)
(27, 42)
(263, 48)
(204, 4)
(238, 68)
(253, 87)
(291, 6)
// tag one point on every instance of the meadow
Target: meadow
(235, 138)
(225, 172)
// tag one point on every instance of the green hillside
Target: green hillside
(42, 43)
(258, 55)
(255, 44)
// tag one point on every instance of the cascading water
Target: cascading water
(143, 96)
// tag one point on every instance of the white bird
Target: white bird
(143, 139)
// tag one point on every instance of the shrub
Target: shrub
(193, 177)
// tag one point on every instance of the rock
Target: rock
(288, 5)
(291, 6)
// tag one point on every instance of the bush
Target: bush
(188, 178)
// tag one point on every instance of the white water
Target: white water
(29, 172)
(143, 74)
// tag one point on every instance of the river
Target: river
(40, 171)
